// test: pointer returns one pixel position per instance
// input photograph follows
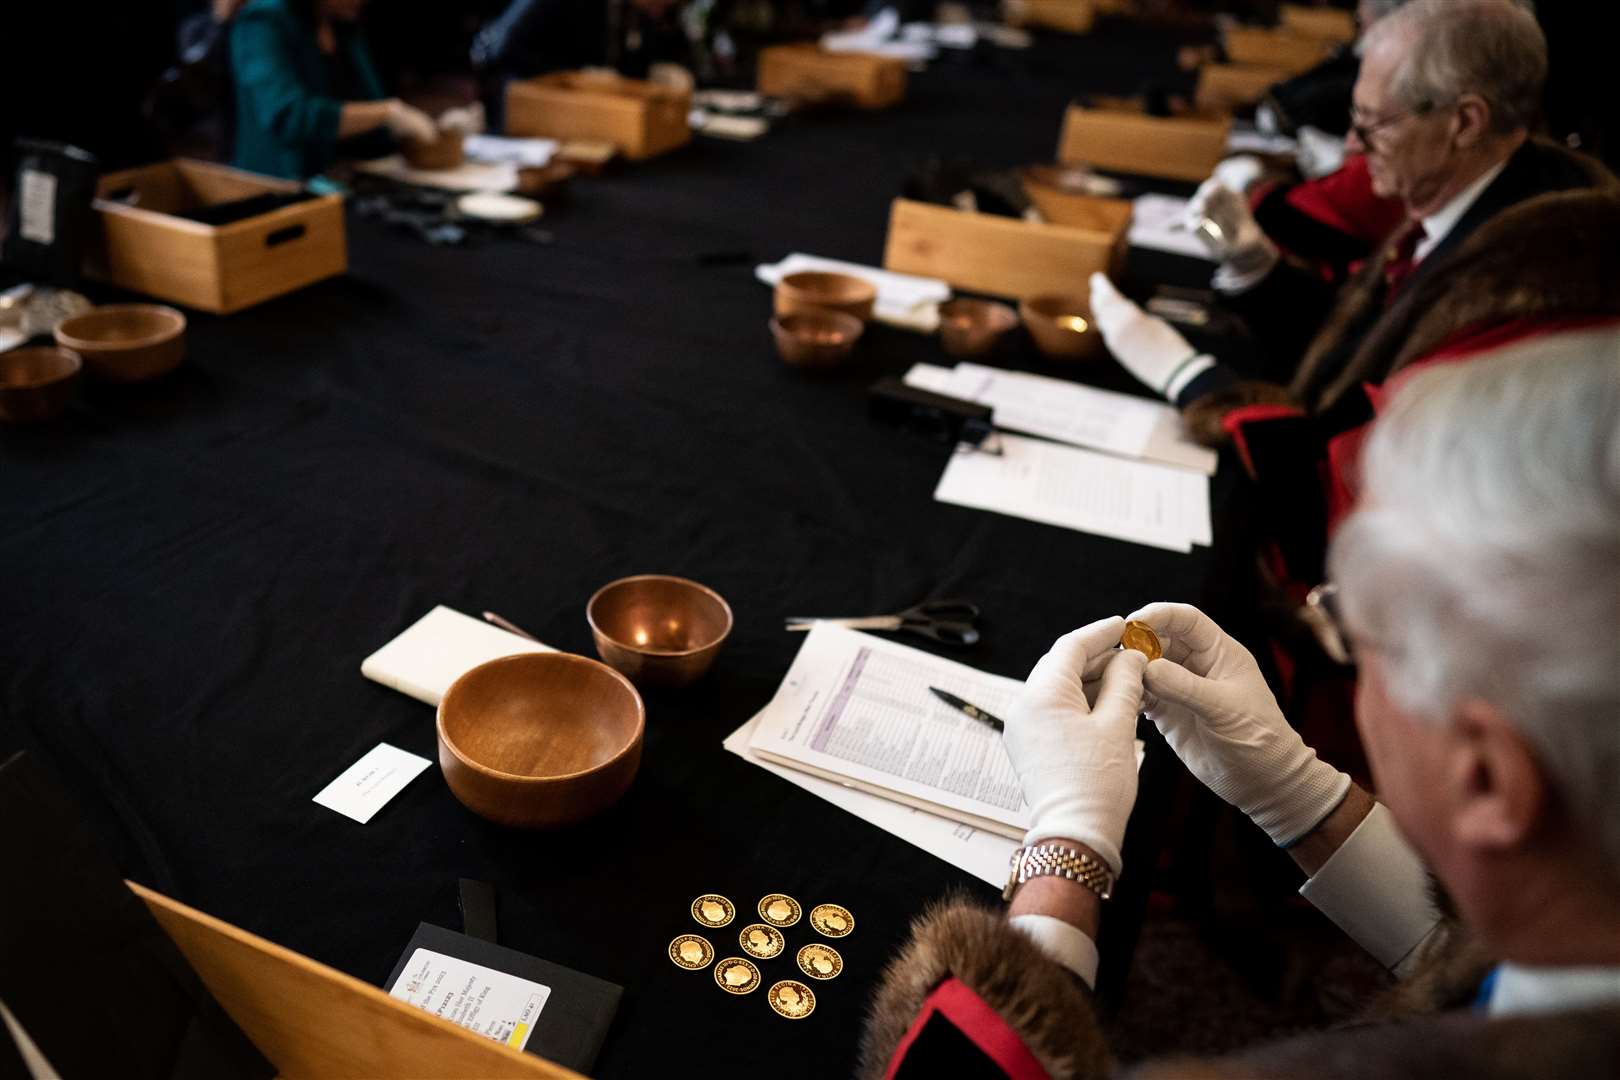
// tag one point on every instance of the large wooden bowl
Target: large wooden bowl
(446, 151)
(126, 342)
(659, 630)
(1061, 326)
(969, 327)
(817, 290)
(36, 383)
(540, 740)
(816, 339)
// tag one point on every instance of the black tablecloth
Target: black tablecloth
(194, 569)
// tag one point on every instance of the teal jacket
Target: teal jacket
(287, 92)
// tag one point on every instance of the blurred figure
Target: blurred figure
(307, 92)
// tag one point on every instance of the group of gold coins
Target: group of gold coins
(764, 941)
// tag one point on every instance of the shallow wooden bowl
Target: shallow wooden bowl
(817, 290)
(1061, 326)
(444, 152)
(36, 383)
(126, 342)
(816, 339)
(969, 328)
(548, 183)
(659, 630)
(1073, 196)
(540, 740)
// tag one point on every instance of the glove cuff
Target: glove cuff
(1315, 791)
(1083, 822)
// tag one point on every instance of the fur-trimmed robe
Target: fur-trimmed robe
(1416, 1031)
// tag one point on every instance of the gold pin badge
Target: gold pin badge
(830, 920)
(762, 942)
(820, 961)
(1140, 636)
(712, 910)
(691, 952)
(792, 999)
(735, 975)
(779, 910)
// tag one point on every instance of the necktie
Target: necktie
(1401, 261)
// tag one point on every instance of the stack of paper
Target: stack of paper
(500, 149)
(903, 300)
(1159, 223)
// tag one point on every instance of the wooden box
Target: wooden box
(145, 248)
(1328, 24)
(1068, 16)
(311, 1021)
(1275, 48)
(1176, 147)
(1225, 87)
(642, 119)
(808, 72)
(999, 256)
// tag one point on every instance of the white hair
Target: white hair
(1485, 560)
(1492, 48)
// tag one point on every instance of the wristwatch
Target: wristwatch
(1055, 860)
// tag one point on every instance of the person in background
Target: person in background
(307, 93)
(1475, 588)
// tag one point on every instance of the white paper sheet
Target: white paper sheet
(903, 300)
(366, 786)
(1158, 224)
(1139, 501)
(468, 176)
(501, 149)
(498, 1006)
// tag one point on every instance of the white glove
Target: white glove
(1076, 761)
(1209, 700)
(1145, 345)
(1222, 220)
(1238, 172)
(467, 119)
(409, 124)
(1319, 153)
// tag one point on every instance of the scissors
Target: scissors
(947, 621)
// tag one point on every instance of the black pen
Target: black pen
(967, 708)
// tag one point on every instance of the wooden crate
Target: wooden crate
(808, 72)
(311, 1021)
(1176, 148)
(1328, 24)
(1275, 48)
(999, 256)
(145, 248)
(642, 119)
(1068, 16)
(1225, 87)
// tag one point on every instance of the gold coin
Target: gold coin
(691, 952)
(820, 961)
(1140, 636)
(762, 942)
(779, 910)
(712, 910)
(792, 999)
(830, 920)
(735, 975)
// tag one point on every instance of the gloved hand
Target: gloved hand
(409, 124)
(1207, 697)
(1319, 153)
(467, 119)
(1238, 171)
(1145, 345)
(1221, 218)
(1076, 761)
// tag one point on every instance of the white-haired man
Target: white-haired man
(1480, 589)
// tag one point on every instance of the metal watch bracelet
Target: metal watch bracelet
(1055, 860)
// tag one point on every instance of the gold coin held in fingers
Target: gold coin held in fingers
(830, 920)
(691, 952)
(779, 910)
(762, 942)
(1140, 636)
(792, 999)
(820, 961)
(712, 910)
(735, 975)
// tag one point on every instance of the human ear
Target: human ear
(1498, 793)
(1473, 120)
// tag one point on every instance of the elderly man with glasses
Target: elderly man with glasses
(1480, 591)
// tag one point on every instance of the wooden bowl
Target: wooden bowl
(126, 342)
(36, 383)
(444, 152)
(540, 740)
(970, 328)
(1067, 195)
(659, 630)
(817, 290)
(1061, 326)
(548, 183)
(816, 339)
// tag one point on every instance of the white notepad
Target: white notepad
(437, 649)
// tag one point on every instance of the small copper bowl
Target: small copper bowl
(1061, 326)
(816, 339)
(816, 290)
(659, 630)
(445, 152)
(36, 383)
(540, 740)
(548, 183)
(126, 342)
(972, 327)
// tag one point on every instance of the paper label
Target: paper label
(366, 786)
(487, 1002)
(36, 206)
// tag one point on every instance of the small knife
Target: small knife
(967, 708)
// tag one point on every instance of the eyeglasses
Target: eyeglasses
(1321, 614)
(1364, 131)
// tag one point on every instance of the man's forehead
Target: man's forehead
(1377, 70)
